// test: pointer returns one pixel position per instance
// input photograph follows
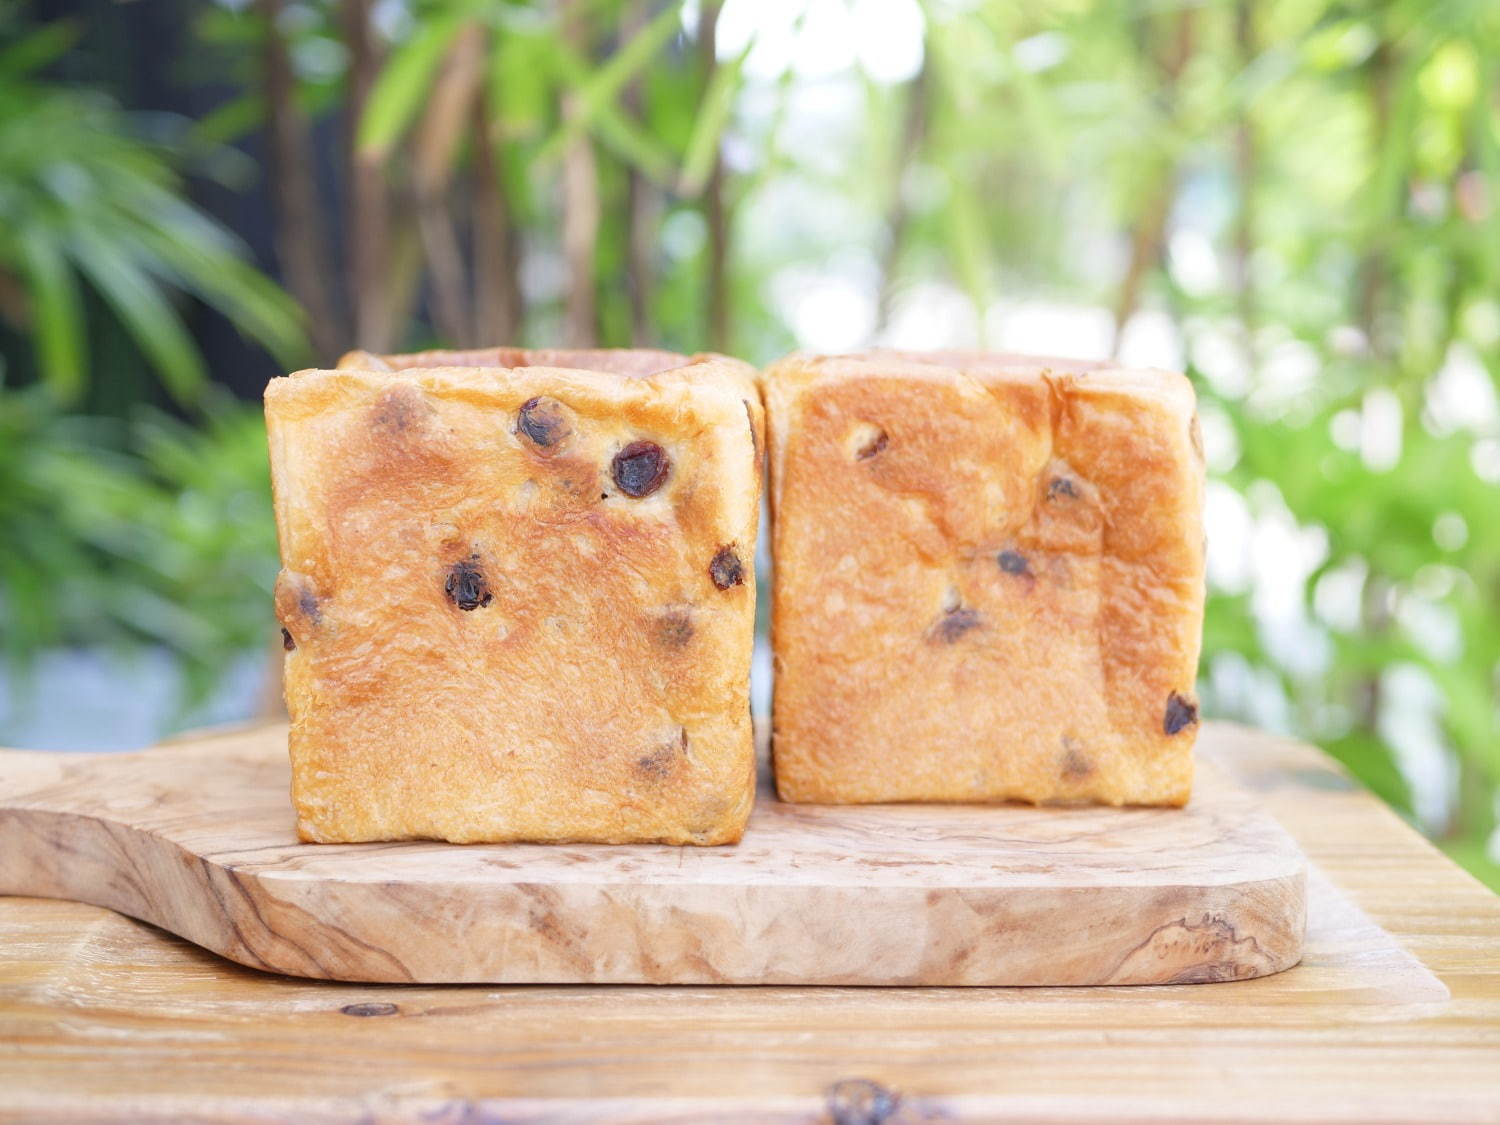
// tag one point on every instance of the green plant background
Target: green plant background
(1297, 201)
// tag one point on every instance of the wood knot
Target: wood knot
(370, 1008)
(858, 1101)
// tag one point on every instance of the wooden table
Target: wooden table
(102, 1017)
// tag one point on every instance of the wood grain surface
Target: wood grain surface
(198, 838)
(1392, 1016)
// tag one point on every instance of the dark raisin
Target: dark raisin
(858, 1101)
(466, 587)
(1075, 763)
(399, 409)
(656, 763)
(640, 468)
(726, 569)
(675, 629)
(286, 641)
(307, 602)
(955, 623)
(659, 762)
(1061, 486)
(873, 447)
(544, 420)
(370, 1008)
(1012, 562)
(1182, 713)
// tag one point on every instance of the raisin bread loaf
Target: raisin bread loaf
(988, 579)
(518, 595)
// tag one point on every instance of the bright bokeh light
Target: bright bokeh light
(821, 38)
(930, 314)
(1051, 328)
(1380, 430)
(1152, 339)
(1461, 396)
(828, 312)
(1411, 723)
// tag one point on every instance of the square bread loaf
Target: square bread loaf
(518, 595)
(988, 579)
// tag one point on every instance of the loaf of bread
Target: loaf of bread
(518, 595)
(988, 579)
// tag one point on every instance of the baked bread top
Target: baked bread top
(618, 361)
(989, 578)
(519, 602)
(634, 362)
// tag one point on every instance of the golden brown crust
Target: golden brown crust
(617, 361)
(634, 362)
(494, 641)
(989, 579)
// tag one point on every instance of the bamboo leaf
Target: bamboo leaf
(521, 74)
(403, 83)
(57, 314)
(256, 305)
(601, 87)
(636, 146)
(618, 130)
(229, 122)
(34, 51)
(153, 324)
(713, 117)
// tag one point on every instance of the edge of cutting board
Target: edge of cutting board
(197, 837)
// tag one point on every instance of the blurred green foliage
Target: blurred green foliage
(1298, 200)
(155, 532)
(136, 529)
(85, 200)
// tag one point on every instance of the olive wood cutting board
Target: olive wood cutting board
(197, 837)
